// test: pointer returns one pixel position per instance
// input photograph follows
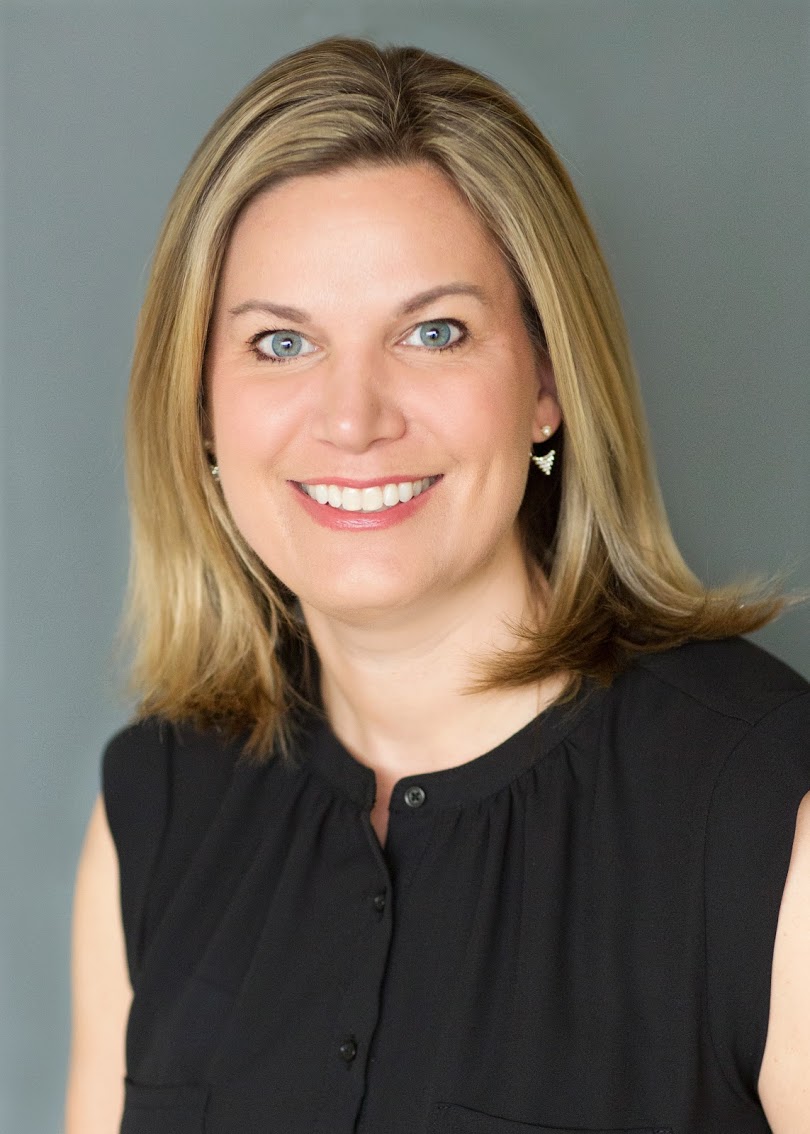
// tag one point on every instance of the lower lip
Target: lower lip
(339, 520)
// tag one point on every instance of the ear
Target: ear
(547, 407)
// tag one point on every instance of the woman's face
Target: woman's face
(373, 391)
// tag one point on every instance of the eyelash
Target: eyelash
(254, 340)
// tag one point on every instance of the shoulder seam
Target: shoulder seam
(789, 696)
(752, 728)
(166, 736)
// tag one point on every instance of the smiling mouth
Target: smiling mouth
(378, 498)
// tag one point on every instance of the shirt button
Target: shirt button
(414, 796)
(348, 1049)
(379, 902)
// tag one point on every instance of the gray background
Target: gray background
(685, 127)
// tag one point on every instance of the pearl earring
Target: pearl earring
(544, 461)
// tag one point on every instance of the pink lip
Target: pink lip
(338, 520)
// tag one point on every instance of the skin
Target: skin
(100, 986)
(784, 1081)
(397, 615)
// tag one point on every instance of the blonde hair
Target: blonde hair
(216, 636)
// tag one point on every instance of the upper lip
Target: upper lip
(377, 482)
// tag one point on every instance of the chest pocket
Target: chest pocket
(451, 1119)
(164, 1110)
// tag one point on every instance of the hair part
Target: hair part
(217, 638)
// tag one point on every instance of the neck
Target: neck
(395, 690)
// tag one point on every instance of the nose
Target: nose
(357, 403)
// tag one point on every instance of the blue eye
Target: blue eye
(437, 334)
(275, 346)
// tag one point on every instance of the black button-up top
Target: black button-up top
(571, 932)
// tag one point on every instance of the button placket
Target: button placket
(345, 1073)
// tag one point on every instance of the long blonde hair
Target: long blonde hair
(216, 637)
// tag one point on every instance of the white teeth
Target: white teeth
(352, 500)
(374, 499)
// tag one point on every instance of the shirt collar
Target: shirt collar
(474, 779)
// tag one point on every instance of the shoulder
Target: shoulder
(155, 769)
(135, 768)
(737, 720)
(150, 755)
(162, 783)
(157, 738)
(719, 730)
(710, 709)
(731, 678)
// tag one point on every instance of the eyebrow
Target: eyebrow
(422, 299)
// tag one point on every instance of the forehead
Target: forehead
(403, 225)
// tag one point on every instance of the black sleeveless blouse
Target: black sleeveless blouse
(572, 932)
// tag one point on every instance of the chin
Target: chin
(360, 600)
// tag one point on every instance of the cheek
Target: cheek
(251, 431)
(249, 425)
(498, 416)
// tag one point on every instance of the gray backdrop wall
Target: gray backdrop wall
(685, 127)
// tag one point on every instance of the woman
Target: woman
(453, 802)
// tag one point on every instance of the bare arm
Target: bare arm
(101, 989)
(784, 1081)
